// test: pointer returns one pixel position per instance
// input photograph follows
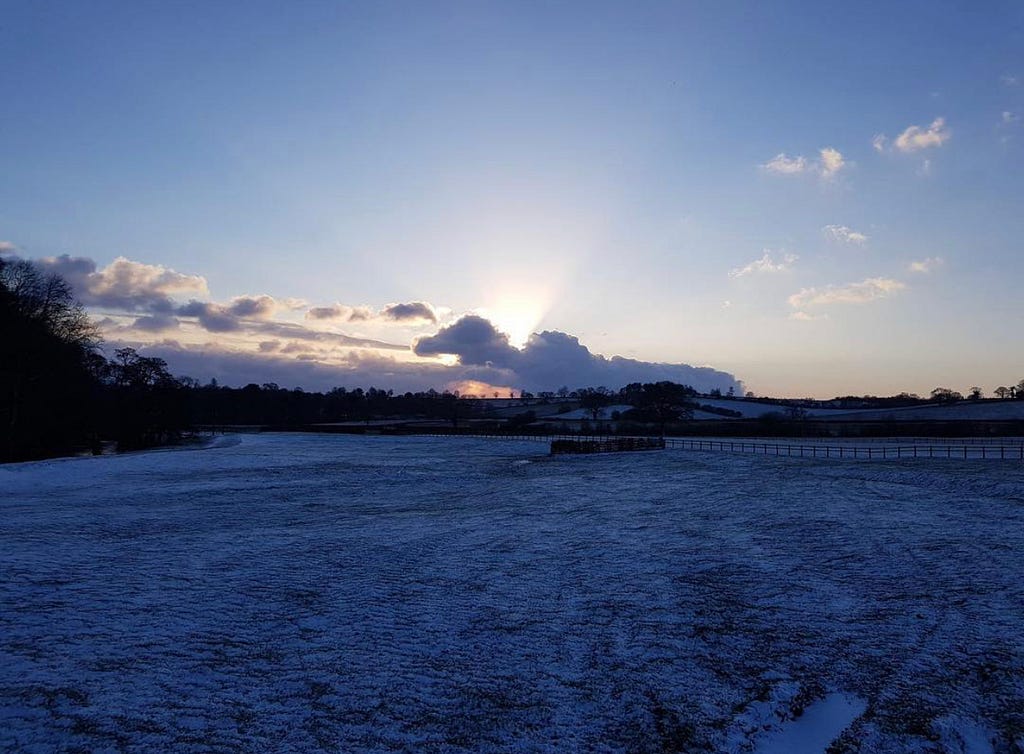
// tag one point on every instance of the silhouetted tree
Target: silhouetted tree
(148, 402)
(945, 395)
(48, 364)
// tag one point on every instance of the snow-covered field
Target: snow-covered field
(332, 593)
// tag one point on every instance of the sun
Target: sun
(518, 316)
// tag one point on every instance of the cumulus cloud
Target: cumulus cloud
(253, 306)
(926, 265)
(6, 247)
(473, 339)
(830, 162)
(552, 358)
(915, 138)
(843, 234)
(123, 285)
(852, 293)
(766, 264)
(414, 311)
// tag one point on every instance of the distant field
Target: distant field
(383, 594)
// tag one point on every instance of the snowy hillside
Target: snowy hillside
(965, 410)
(333, 593)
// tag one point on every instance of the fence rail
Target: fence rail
(926, 448)
(880, 452)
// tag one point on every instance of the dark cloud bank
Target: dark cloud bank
(551, 359)
(548, 361)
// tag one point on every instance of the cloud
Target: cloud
(830, 162)
(1009, 80)
(415, 311)
(783, 165)
(336, 311)
(156, 323)
(916, 138)
(765, 265)
(551, 359)
(123, 285)
(212, 317)
(843, 234)
(253, 306)
(6, 247)
(265, 348)
(880, 142)
(473, 339)
(232, 367)
(926, 265)
(1008, 118)
(299, 332)
(853, 293)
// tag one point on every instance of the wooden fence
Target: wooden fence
(873, 449)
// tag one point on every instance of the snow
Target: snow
(816, 728)
(585, 413)
(387, 594)
(965, 410)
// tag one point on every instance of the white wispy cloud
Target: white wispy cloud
(830, 161)
(926, 265)
(1009, 80)
(1008, 118)
(843, 234)
(6, 247)
(766, 264)
(880, 142)
(916, 138)
(852, 293)
(784, 165)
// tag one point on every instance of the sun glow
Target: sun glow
(516, 314)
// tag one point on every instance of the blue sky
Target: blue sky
(610, 171)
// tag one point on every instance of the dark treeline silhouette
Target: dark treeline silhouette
(269, 405)
(47, 365)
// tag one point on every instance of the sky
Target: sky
(795, 199)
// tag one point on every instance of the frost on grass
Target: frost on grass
(312, 593)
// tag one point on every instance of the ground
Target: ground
(335, 593)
